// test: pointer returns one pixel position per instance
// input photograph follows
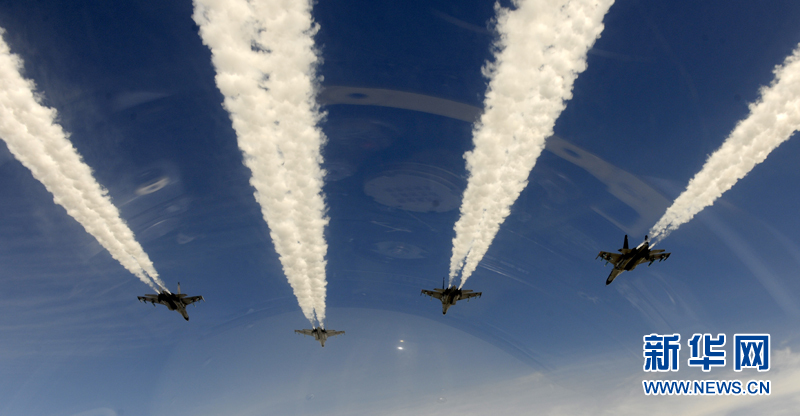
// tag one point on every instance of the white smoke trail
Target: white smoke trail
(39, 143)
(263, 51)
(541, 50)
(772, 120)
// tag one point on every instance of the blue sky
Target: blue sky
(134, 86)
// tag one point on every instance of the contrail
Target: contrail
(263, 51)
(772, 120)
(40, 144)
(540, 52)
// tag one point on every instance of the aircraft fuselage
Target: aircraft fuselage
(319, 334)
(321, 337)
(169, 300)
(449, 298)
(631, 260)
(173, 302)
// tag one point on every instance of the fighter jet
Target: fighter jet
(450, 296)
(320, 334)
(630, 258)
(173, 301)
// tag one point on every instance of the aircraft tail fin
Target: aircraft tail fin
(179, 287)
(625, 244)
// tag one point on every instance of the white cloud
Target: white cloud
(772, 120)
(265, 59)
(40, 144)
(541, 50)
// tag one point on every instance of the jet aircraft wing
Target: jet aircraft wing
(612, 258)
(148, 298)
(466, 294)
(653, 257)
(192, 299)
(432, 293)
(334, 333)
(305, 331)
(657, 256)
